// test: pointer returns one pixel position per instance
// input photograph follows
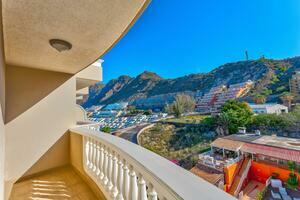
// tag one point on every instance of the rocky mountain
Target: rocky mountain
(267, 74)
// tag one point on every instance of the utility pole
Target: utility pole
(246, 53)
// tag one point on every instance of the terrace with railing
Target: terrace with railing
(216, 161)
(123, 170)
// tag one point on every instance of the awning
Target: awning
(223, 143)
(281, 153)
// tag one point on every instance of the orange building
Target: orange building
(249, 160)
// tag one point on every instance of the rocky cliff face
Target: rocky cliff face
(267, 73)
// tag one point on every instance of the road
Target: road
(130, 133)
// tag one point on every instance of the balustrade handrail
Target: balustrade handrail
(84, 113)
(243, 177)
(165, 178)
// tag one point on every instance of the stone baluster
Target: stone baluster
(152, 193)
(101, 164)
(114, 190)
(142, 188)
(120, 179)
(93, 156)
(105, 169)
(133, 189)
(126, 181)
(97, 158)
(109, 171)
(85, 153)
(90, 153)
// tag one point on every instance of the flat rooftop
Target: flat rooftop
(274, 141)
(207, 173)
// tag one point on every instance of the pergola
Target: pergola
(226, 145)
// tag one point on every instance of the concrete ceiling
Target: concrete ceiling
(91, 26)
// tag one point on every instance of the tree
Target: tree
(292, 181)
(222, 122)
(238, 114)
(106, 129)
(287, 98)
(183, 103)
(292, 166)
(147, 112)
(259, 98)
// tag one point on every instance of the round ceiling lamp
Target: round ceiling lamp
(60, 45)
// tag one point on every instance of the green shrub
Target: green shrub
(106, 129)
(280, 89)
(292, 165)
(274, 79)
(292, 182)
(238, 114)
(261, 195)
(262, 121)
(274, 175)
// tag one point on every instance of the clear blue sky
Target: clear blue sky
(174, 38)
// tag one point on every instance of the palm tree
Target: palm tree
(222, 122)
(287, 99)
(259, 98)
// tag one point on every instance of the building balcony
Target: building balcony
(102, 166)
(89, 76)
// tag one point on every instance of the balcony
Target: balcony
(89, 76)
(118, 169)
(61, 183)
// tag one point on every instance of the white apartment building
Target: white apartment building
(269, 108)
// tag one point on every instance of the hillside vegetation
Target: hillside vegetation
(268, 74)
(182, 144)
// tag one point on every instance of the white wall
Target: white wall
(33, 132)
(2, 108)
(1, 155)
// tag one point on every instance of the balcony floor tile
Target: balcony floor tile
(63, 183)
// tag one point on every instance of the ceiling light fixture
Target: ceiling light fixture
(60, 45)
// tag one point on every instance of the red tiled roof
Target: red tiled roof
(286, 154)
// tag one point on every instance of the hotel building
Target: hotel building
(295, 86)
(212, 101)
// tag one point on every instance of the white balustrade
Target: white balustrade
(109, 171)
(152, 193)
(120, 180)
(97, 170)
(126, 181)
(105, 170)
(120, 169)
(102, 158)
(133, 190)
(114, 191)
(142, 192)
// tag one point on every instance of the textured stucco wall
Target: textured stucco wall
(51, 112)
(27, 86)
(2, 145)
(2, 108)
(58, 155)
